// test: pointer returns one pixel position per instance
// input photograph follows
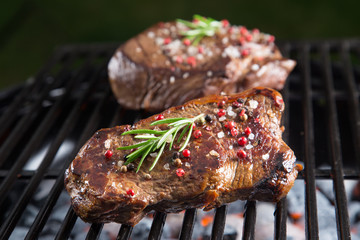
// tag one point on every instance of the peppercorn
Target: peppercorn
(108, 154)
(180, 172)
(130, 166)
(186, 153)
(176, 155)
(197, 134)
(240, 100)
(123, 169)
(208, 118)
(147, 176)
(244, 117)
(241, 154)
(242, 141)
(130, 192)
(177, 162)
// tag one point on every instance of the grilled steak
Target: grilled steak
(158, 69)
(239, 155)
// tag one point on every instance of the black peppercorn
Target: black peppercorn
(130, 167)
(240, 100)
(208, 118)
(176, 155)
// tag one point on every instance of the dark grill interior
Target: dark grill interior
(45, 122)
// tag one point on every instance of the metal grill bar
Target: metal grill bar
(311, 222)
(94, 232)
(157, 226)
(66, 227)
(249, 221)
(353, 98)
(334, 138)
(12, 219)
(219, 223)
(188, 224)
(124, 232)
(58, 186)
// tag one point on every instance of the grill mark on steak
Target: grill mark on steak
(215, 175)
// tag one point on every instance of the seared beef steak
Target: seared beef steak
(239, 155)
(158, 69)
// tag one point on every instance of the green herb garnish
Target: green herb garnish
(157, 139)
(200, 28)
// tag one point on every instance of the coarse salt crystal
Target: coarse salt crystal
(214, 153)
(223, 118)
(154, 154)
(229, 109)
(209, 53)
(151, 34)
(251, 136)
(209, 73)
(232, 51)
(231, 147)
(120, 163)
(262, 70)
(138, 49)
(192, 50)
(255, 67)
(253, 104)
(249, 146)
(159, 41)
(231, 113)
(225, 40)
(223, 93)
(167, 166)
(167, 63)
(172, 79)
(187, 164)
(107, 143)
(199, 56)
(221, 134)
(265, 156)
(185, 75)
(223, 54)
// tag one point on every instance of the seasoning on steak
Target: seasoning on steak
(158, 68)
(237, 155)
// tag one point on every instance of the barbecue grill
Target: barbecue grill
(45, 121)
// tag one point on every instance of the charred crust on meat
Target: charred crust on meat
(98, 187)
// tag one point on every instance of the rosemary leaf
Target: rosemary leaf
(183, 133)
(157, 157)
(174, 136)
(168, 120)
(144, 156)
(133, 146)
(141, 131)
(187, 139)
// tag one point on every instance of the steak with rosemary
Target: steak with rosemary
(161, 67)
(235, 151)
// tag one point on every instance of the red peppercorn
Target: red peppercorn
(236, 104)
(230, 125)
(242, 112)
(231, 30)
(225, 23)
(130, 192)
(161, 24)
(172, 68)
(167, 41)
(242, 40)
(247, 131)
(197, 134)
(180, 172)
(242, 141)
(234, 132)
(187, 41)
(191, 61)
(271, 39)
(241, 154)
(221, 103)
(248, 37)
(256, 31)
(200, 49)
(256, 120)
(194, 125)
(108, 154)
(243, 30)
(221, 112)
(245, 52)
(159, 117)
(186, 153)
(179, 59)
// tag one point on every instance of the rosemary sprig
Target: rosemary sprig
(199, 29)
(154, 140)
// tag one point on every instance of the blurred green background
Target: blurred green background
(31, 29)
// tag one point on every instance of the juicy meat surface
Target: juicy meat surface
(156, 69)
(214, 173)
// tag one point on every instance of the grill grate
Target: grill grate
(70, 99)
